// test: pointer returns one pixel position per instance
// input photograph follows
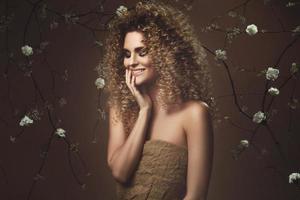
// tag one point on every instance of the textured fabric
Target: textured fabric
(160, 174)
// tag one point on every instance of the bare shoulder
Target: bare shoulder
(194, 107)
(195, 112)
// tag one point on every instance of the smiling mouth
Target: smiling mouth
(138, 72)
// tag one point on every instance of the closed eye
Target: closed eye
(126, 54)
(142, 51)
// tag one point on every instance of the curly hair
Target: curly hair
(178, 58)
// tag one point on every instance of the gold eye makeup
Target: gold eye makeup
(142, 51)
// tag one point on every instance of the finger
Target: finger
(133, 83)
(130, 81)
(136, 90)
(126, 76)
(130, 77)
(127, 80)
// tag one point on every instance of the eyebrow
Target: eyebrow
(137, 49)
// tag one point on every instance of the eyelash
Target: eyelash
(142, 54)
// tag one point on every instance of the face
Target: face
(136, 58)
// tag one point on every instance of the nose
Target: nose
(133, 61)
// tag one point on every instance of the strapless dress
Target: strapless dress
(160, 174)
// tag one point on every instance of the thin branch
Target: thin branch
(231, 83)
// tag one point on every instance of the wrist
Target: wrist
(146, 109)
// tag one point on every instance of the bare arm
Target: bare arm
(199, 131)
(124, 153)
(123, 159)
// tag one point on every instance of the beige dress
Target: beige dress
(160, 175)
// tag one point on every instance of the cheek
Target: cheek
(146, 62)
(153, 72)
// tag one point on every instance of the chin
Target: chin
(139, 81)
(144, 79)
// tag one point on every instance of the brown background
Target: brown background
(72, 48)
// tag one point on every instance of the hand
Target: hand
(142, 98)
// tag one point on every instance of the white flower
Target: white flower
(220, 54)
(259, 117)
(294, 68)
(294, 177)
(272, 73)
(290, 4)
(293, 104)
(296, 31)
(60, 132)
(121, 10)
(53, 25)
(232, 14)
(226, 117)
(251, 29)
(27, 50)
(273, 91)
(100, 83)
(244, 143)
(99, 43)
(62, 101)
(26, 121)
(12, 139)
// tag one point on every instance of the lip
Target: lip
(137, 69)
(136, 72)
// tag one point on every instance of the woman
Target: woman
(160, 129)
